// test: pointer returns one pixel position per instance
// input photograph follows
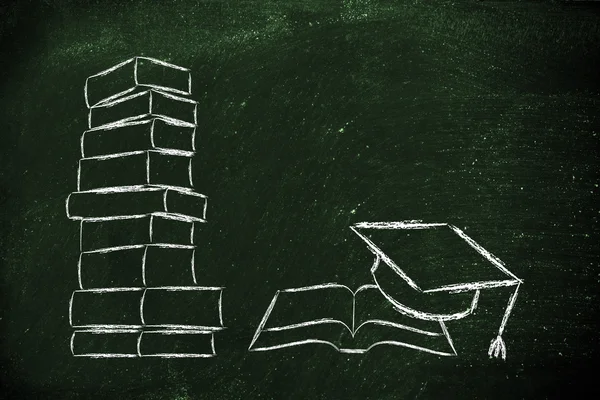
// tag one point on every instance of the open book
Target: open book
(349, 321)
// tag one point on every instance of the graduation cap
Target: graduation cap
(434, 271)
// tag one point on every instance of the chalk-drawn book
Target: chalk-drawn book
(171, 307)
(349, 321)
(138, 265)
(129, 343)
(132, 231)
(149, 103)
(129, 201)
(134, 73)
(153, 134)
(152, 167)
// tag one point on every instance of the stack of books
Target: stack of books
(138, 212)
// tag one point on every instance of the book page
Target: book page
(302, 307)
(316, 314)
(326, 334)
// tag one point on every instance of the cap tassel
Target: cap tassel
(497, 348)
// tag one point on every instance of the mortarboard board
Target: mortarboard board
(434, 271)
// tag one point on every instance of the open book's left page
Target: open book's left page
(318, 314)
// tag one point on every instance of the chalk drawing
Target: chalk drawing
(136, 299)
(412, 276)
(435, 333)
(112, 343)
(131, 74)
(462, 282)
(135, 188)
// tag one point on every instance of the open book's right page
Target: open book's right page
(376, 322)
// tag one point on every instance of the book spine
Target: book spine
(187, 204)
(163, 76)
(110, 83)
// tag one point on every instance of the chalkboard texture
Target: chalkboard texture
(313, 116)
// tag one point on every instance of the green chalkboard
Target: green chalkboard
(312, 116)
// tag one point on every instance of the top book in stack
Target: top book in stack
(144, 72)
(140, 87)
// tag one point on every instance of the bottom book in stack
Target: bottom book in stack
(166, 343)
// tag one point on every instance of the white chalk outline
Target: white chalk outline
(143, 325)
(152, 144)
(166, 152)
(179, 332)
(140, 246)
(189, 172)
(136, 83)
(141, 188)
(193, 137)
(141, 333)
(352, 330)
(143, 261)
(143, 266)
(420, 314)
(416, 224)
(151, 221)
(497, 347)
(102, 355)
(104, 73)
(194, 266)
(149, 114)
